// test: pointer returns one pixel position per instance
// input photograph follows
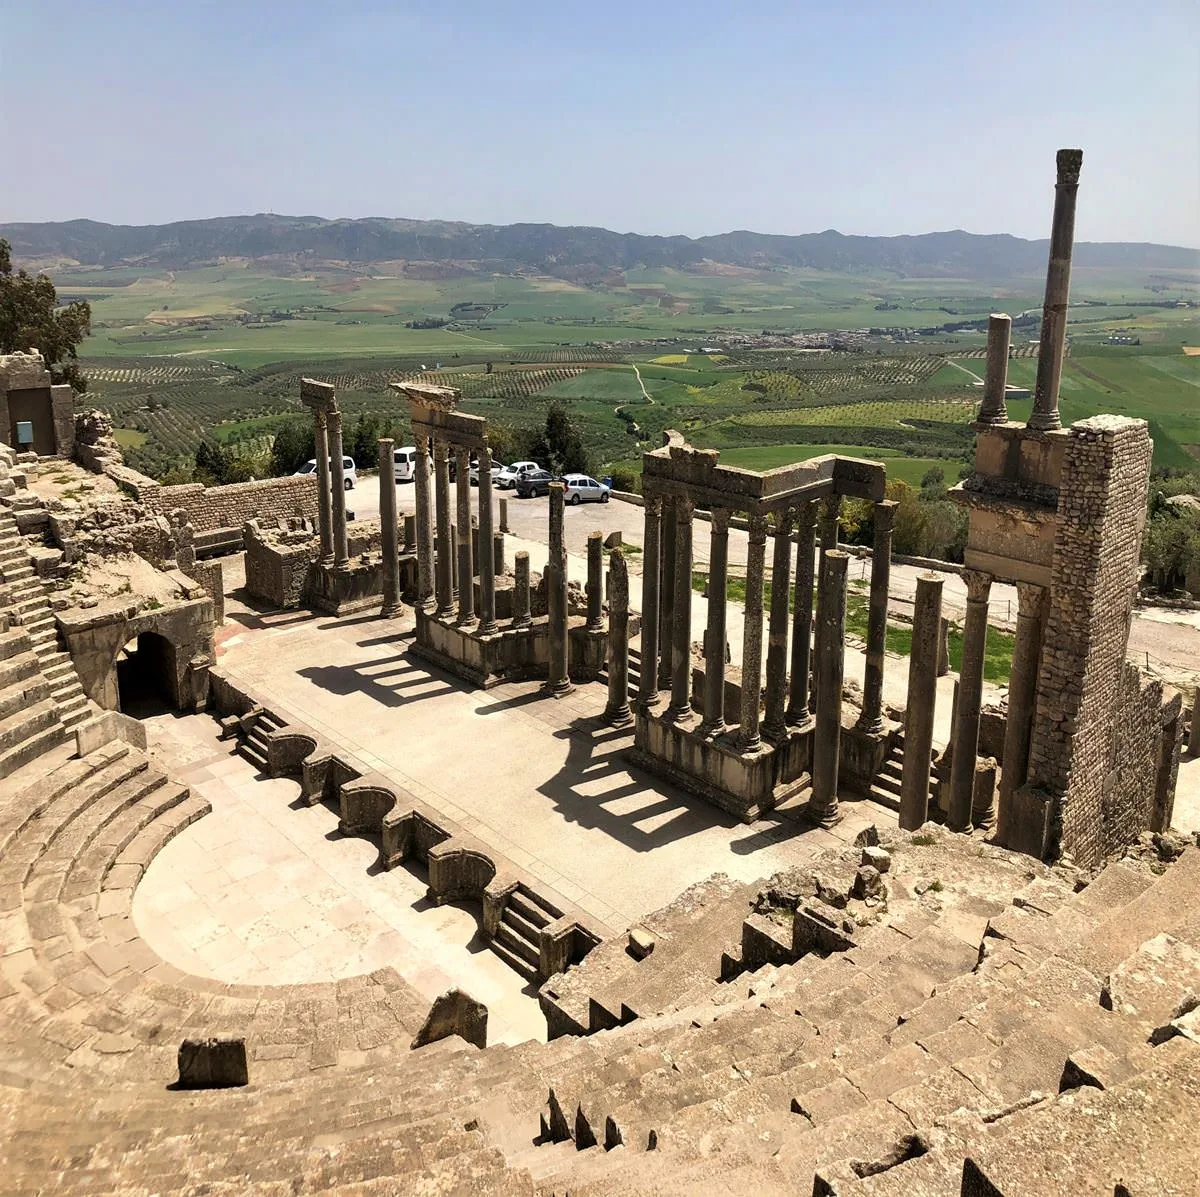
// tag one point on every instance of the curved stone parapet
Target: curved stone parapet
(459, 870)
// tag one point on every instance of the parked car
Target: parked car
(507, 478)
(406, 463)
(497, 468)
(533, 483)
(348, 470)
(581, 488)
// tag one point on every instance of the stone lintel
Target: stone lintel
(1008, 569)
(455, 427)
(320, 396)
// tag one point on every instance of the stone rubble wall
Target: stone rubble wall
(1130, 790)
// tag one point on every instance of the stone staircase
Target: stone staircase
(885, 786)
(516, 941)
(30, 722)
(253, 746)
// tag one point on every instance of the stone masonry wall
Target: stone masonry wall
(1129, 792)
(1101, 512)
(210, 508)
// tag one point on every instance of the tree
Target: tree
(30, 318)
(293, 445)
(909, 526)
(213, 463)
(559, 445)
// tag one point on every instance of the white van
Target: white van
(349, 472)
(406, 463)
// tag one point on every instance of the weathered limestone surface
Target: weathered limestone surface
(216, 1063)
(922, 697)
(454, 1013)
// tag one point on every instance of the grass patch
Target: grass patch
(129, 438)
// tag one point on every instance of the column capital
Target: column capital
(654, 505)
(320, 418)
(335, 420)
(758, 528)
(441, 450)
(979, 584)
(806, 516)
(685, 511)
(462, 453)
(720, 520)
(885, 515)
(421, 441)
(784, 521)
(1031, 600)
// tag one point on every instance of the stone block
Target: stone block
(877, 858)
(454, 1013)
(641, 942)
(216, 1063)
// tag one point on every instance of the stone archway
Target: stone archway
(146, 675)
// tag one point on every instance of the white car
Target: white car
(351, 474)
(406, 463)
(507, 478)
(498, 467)
(581, 488)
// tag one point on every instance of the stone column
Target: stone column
(922, 699)
(487, 550)
(714, 636)
(1194, 732)
(651, 576)
(994, 408)
(970, 698)
(831, 514)
(504, 516)
(425, 598)
(681, 627)
(1053, 337)
(749, 739)
(324, 497)
(775, 725)
(445, 552)
(1022, 696)
(617, 711)
(871, 720)
(559, 681)
(831, 644)
(337, 483)
(943, 662)
(595, 581)
(466, 556)
(802, 613)
(499, 565)
(666, 594)
(388, 530)
(521, 616)
(410, 529)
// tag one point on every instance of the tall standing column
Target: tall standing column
(775, 725)
(445, 552)
(666, 594)
(1053, 337)
(487, 549)
(388, 530)
(337, 482)
(802, 614)
(651, 560)
(595, 581)
(749, 739)
(1022, 697)
(424, 526)
(994, 408)
(1194, 730)
(831, 514)
(714, 636)
(559, 682)
(831, 647)
(681, 639)
(617, 711)
(324, 498)
(871, 719)
(521, 616)
(970, 699)
(466, 561)
(922, 700)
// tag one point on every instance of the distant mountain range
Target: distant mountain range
(580, 254)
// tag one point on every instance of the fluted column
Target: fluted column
(802, 613)
(871, 719)
(425, 598)
(681, 640)
(651, 621)
(714, 636)
(521, 615)
(559, 681)
(466, 556)
(595, 581)
(831, 647)
(749, 738)
(922, 700)
(994, 408)
(970, 699)
(324, 498)
(337, 482)
(389, 533)
(487, 549)
(666, 593)
(445, 551)
(775, 725)
(617, 711)
(1022, 697)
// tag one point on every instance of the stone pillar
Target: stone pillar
(521, 616)
(871, 719)
(831, 514)
(831, 645)
(559, 681)
(922, 699)
(499, 565)
(617, 711)
(714, 636)
(487, 550)
(410, 528)
(425, 599)
(595, 581)
(1053, 337)
(324, 497)
(994, 408)
(337, 483)
(802, 612)
(388, 529)
(943, 661)
(749, 739)
(1194, 733)
(1022, 695)
(466, 557)
(775, 725)
(651, 577)
(666, 594)
(504, 516)
(681, 627)
(453, 565)
(445, 552)
(970, 697)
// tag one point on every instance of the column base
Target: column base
(827, 816)
(620, 716)
(391, 611)
(559, 689)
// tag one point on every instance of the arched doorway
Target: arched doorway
(146, 676)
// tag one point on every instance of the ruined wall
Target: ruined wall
(277, 572)
(1129, 788)
(1081, 680)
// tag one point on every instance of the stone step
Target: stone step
(506, 936)
(521, 926)
(23, 694)
(516, 962)
(27, 722)
(17, 668)
(253, 754)
(887, 783)
(528, 908)
(31, 748)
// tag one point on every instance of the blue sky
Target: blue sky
(649, 117)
